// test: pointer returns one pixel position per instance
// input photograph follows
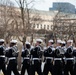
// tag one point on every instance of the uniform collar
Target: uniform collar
(50, 46)
(58, 47)
(1, 45)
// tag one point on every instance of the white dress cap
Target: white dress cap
(2, 40)
(50, 41)
(39, 40)
(13, 41)
(63, 42)
(71, 41)
(27, 42)
(59, 41)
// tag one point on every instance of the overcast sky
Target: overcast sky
(45, 4)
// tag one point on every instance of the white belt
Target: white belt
(12, 58)
(69, 58)
(2, 56)
(49, 58)
(57, 59)
(26, 58)
(36, 58)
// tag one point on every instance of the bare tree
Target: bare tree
(26, 18)
(6, 21)
(64, 26)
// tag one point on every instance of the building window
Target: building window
(47, 26)
(33, 25)
(41, 26)
(44, 26)
(37, 25)
(51, 27)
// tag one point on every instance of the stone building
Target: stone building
(42, 23)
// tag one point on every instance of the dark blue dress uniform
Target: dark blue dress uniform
(69, 61)
(12, 55)
(2, 59)
(74, 54)
(58, 61)
(36, 55)
(26, 61)
(48, 55)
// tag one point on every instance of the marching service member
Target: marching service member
(69, 58)
(36, 55)
(58, 54)
(26, 58)
(12, 54)
(48, 55)
(2, 56)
